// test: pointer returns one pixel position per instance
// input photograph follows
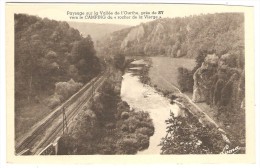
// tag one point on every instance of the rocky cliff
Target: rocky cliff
(179, 37)
(134, 35)
(219, 82)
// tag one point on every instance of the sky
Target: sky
(62, 12)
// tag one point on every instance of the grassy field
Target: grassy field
(164, 71)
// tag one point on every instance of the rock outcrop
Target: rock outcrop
(179, 37)
(134, 35)
(218, 82)
(157, 33)
(203, 78)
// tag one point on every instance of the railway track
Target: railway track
(58, 130)
(52, 126)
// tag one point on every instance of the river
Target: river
(143, 97)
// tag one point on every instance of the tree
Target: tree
(43, 56)
(185, 79)
(119, 61)
(83, 55)
(186, 135)
(201, 55)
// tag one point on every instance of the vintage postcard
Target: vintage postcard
(123, 82)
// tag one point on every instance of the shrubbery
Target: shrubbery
(136, 130)
(186, 135)
(114, 129)
(185, 79)
(66, 89)
(142, 141)
(138, 120)
(105, 103)
(144, 72)
(63, 90)
(127, 145)
(121, 106)
(54, 100)
(149, 131)
(124, 115)
(119, 61)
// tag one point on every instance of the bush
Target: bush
(145, 131)
(185, 79)
(121, 106)
(132, 123)
(66, 89)
(137, 127)
(63, 90)
(127, 145)
(125, 115)
(143, 141)
(54, 101)
(139, 120)
(186, 135)
(124, 128)
(110, 126)
(119, 61)
(51, 55)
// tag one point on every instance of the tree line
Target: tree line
(180, 37)
(47, 52)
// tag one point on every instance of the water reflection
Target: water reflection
(143, 97)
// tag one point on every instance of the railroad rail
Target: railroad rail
(52, 126)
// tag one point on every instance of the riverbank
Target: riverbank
(230, 123)
(141, 96)
(184, 101)
(108, 125)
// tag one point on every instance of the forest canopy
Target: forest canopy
(180, 37)
(47, 52)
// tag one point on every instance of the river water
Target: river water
(143, 97)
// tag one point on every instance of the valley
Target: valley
(172, 85)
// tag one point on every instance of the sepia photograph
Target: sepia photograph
(130, 79)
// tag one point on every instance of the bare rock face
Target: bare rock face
(134, 35)
(203, 78)
(218, 82)
(156, 33)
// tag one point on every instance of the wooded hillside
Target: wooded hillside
(181, 37)
(48, 51)
(97, 31)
